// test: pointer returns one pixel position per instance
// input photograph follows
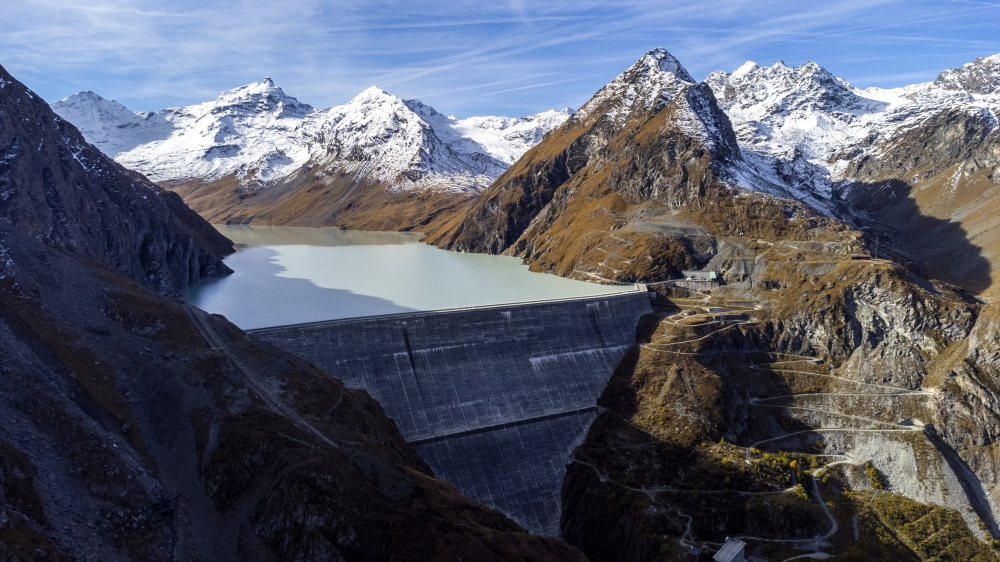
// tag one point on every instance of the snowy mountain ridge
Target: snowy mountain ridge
(981, 76)
(262, 135)
(799, 129)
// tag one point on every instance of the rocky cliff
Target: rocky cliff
(63, 191)
(136, 428)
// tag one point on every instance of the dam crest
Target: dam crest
(494, 398)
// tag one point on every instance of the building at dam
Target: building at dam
(495, 399)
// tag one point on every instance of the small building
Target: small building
(690, 275)
(732, 551)
(701, 281)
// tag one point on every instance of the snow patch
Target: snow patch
(6, 262)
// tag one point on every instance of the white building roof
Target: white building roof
(732, 551)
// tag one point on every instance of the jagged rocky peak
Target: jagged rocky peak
(264, 96)
(421, 108)
(665, 62)
(981, 76)
(656, 77)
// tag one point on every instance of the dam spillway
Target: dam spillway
(494, 399)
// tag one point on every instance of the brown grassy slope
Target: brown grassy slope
(496, 217)
(126, 437)
(319, 199)
(892, 527)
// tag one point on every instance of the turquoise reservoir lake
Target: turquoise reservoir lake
(290, 275)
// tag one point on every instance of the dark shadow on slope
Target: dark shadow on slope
(657, 423)
(971, 485)
(936, 248)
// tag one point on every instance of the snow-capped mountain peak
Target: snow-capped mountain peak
(802, 127)
(106, 124)
(262, 96)
(654, 78)
(665, 62)
(658, 82)
(407, 144)
(780, 88)
(747, 68)
(373, 92)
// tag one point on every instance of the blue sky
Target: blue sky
(465, 58)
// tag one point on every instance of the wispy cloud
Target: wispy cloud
(513, 57)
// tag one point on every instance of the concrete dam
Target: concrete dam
(495, 399)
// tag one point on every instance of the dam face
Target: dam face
(495, 399)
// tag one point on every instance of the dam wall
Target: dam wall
(495, 399)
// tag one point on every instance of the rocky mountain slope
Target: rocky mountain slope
(681, 137)
(820, 400)
(225, 156)
(916, 166)
(50, 179)
(136, 428)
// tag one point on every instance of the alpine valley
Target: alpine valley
(834, 393)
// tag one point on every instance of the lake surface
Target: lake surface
(289, 275)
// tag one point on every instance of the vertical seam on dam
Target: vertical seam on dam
(409, 353)
(505, 395)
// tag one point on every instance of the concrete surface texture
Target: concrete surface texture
(494, 399)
